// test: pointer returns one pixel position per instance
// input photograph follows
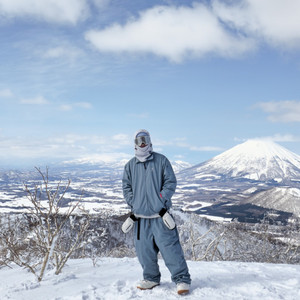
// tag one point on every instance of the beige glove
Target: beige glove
(128, 224)
(167, 218)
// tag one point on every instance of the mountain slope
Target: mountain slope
(254, 159)
(279, 198)
(93, 163)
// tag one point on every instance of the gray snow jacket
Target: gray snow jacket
(148, 186)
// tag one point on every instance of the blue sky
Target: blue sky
(79, 77)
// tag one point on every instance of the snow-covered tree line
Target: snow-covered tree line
(201, 240)
(261, 242)
(51, 232)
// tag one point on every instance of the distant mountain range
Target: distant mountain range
(243, 182)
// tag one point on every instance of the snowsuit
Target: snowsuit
(148, 187)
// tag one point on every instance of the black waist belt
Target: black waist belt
(138, 229)
(138, 219)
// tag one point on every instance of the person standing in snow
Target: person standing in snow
(148, 185)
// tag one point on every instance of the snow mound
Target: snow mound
(116, 279)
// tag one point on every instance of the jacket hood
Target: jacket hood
(143, 153)
(141, 130)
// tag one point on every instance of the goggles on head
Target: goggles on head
(145, 139)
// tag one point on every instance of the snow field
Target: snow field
(116, 279)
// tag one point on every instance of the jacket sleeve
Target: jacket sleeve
(127, 185)
(168, 184)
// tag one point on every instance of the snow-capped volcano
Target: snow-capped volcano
(254, 159)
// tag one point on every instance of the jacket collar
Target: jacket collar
(147, 159)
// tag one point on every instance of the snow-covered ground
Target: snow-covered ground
(116, 279)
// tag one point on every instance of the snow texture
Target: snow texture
(116, 279)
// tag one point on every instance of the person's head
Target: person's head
(142, 138)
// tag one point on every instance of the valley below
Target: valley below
(222, 213)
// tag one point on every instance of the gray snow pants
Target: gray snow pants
(152, 236)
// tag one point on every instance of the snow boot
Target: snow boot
(147, 285)
(183, 288)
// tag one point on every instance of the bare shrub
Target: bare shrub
(44, 240)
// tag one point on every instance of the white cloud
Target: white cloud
(69, 146)
(55, 52)
(85, 105)
(171, 32)
(65, 107)
(6, 93)
(65, 51)
(101, 142)
(122, 139)
(280, 138)
(223, 28)
(206, 148)
(69, 107)
(183, 143)
(138, 116)
(276, 21)
(62, 11)
(101, 3)
(283, 138)
(179, 156)
(39, 100)
(281, 111)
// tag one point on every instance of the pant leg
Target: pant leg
(169, 246)
(147, 250)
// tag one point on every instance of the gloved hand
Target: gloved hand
(128, 224)
(167, 219)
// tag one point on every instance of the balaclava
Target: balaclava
(142, 153)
